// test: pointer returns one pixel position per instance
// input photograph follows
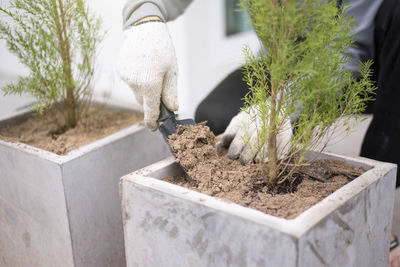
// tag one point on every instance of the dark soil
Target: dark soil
(219, 176)
(46, 131)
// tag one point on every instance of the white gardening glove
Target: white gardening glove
(241, 138)
(147, 63)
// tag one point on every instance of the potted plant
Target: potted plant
(305, 53)
(61, 207)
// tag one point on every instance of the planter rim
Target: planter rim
(295, 227)
(73, 154)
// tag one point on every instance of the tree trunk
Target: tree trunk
(70, 100)
(71, 108)
(272, 149)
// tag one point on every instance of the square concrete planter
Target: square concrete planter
(167, 225)
(65, 210)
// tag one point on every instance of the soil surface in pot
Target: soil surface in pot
(46, 132)
(219, 176)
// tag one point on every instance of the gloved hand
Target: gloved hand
(241, 138)
(147, 63)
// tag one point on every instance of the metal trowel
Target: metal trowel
(169, 124)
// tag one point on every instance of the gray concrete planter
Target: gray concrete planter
(166, 225)
(65, 210)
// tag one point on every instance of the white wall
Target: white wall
(208, 55)
(205, 54)
(9, 65)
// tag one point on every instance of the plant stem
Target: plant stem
(272, 153)
(271, 141)
(70, 100)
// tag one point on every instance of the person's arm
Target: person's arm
(364, 12)
(166, 10)
(147, 61)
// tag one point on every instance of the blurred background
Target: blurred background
(208, 38)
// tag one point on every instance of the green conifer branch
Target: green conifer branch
(306, 44)
(57, 40)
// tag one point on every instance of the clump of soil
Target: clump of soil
(219, 176)
(47, 132)
(192, 145)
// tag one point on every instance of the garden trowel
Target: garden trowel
(169, 124)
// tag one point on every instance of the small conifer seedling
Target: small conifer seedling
(57, 41)
(301, 75)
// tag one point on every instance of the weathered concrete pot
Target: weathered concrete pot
(166, 225)
(65, 210)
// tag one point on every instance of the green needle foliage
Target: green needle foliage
(305, 53)
(57, 41)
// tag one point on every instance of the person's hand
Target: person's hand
(147, 63)
(241, 138)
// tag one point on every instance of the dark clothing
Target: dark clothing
(224, 102)
(382, 140)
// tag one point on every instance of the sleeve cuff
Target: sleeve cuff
(132, 15)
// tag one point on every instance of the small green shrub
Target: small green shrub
(305, 53)
(57, 41)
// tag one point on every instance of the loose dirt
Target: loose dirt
(45, 131)
(219, 176)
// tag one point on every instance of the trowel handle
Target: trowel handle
(165, 113)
